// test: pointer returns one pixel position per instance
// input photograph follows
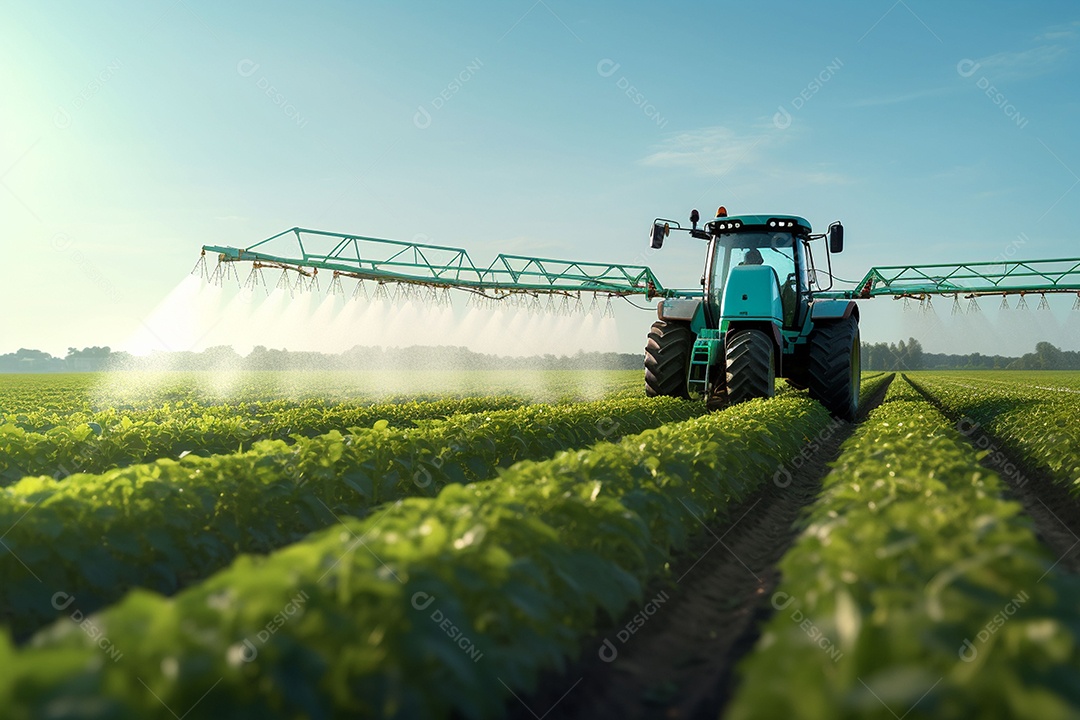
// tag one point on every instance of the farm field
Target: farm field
(478, 545)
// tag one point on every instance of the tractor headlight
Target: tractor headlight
(776, 223)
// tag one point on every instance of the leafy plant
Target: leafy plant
(433, 606)
(1034, 420)
(915, 590)
(165, 524)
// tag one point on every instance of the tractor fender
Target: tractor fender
(825, 310)
(683, 309)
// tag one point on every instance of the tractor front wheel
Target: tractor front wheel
(751, 369)
(834, 367)
(667, 359)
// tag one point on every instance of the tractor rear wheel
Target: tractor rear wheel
(751, 369)
(834, 372)
(667, 359)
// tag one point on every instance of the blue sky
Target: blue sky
(132, 133)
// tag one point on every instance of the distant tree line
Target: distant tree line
(905, 355)
(1048, 357)
(36, 361)
(261, 358)
(902, 356)
(910, 356)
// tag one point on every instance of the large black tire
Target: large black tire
(835, 359)
(751, 369)
(667, 359)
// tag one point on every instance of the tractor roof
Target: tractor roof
(760, 222)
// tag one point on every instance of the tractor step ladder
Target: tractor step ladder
(703, 358)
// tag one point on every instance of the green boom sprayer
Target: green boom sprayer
(764, 309)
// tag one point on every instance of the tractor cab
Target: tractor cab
(735, 258)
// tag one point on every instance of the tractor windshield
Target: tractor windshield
(777, 250)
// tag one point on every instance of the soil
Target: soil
(674, 656)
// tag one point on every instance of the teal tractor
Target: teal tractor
(758, 317)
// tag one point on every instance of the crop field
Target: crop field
(483, 545)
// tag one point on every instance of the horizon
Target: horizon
(107, 353)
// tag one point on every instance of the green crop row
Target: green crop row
(915, 591)
(431, 608)
(1038, 424)
(114, 439)
(903, 390)
(167, 523)
(871, 384)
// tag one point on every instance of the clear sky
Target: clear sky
(133, 132)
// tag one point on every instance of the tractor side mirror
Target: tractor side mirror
(694, 217)
(659, 232)
(836, 238)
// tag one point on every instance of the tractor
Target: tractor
(757, 317)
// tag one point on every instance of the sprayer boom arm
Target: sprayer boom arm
(369, 258)
(1012, 277)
